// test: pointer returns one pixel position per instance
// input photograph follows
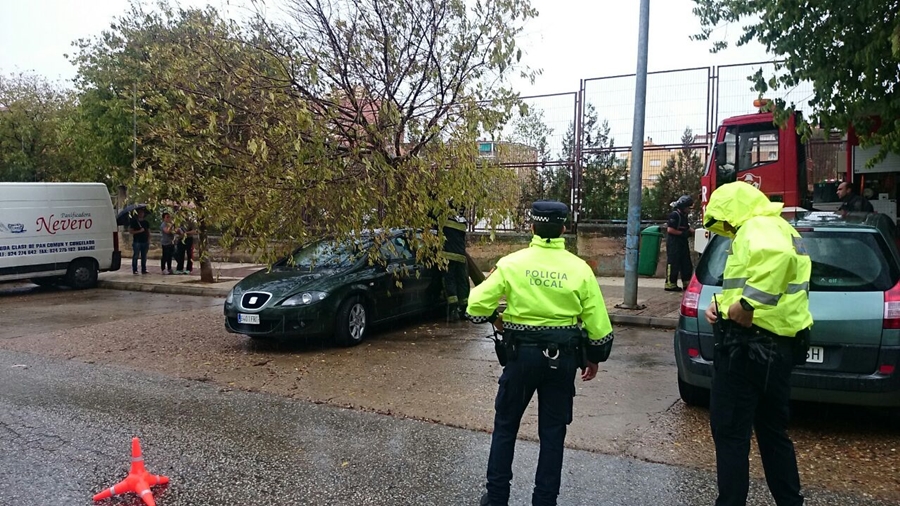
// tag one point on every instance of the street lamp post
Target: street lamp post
(637, 158)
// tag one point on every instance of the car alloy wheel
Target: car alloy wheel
(351, 322)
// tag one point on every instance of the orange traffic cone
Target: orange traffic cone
(138, 480)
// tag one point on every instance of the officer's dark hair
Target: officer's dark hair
(548, 230)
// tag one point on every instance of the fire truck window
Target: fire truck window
(757, 148)
(726, 173)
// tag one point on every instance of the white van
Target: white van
(57, 233)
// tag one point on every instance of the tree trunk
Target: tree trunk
(206, 270)
(474, 272)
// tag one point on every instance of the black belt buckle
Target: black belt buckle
(552, 354)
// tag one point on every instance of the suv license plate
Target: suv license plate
(815, 355)
(248, 318)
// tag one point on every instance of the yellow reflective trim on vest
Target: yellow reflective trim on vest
(455, 257)
(760, 296)
(732, 283)
(455, 225)
(797, 288)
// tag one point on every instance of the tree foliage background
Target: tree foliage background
(680, 176)
(343, 116)
(604, 175)
(850, 54)
(35, 118)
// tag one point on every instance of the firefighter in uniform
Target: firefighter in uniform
(678, 253)
(456, 277)
(761, 324)
(548, 292)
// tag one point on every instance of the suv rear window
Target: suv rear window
(851, 261)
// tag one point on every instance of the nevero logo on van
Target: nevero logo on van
(66, 221)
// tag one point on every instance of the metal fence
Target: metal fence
(677, 100)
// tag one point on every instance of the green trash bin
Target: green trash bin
(648, 250)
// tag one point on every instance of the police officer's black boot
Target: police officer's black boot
(452, 313)
(484, 500)
(461, 313)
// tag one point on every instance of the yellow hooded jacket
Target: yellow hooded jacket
(767, 264)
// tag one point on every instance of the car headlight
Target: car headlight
(304, 299)
(230, 299)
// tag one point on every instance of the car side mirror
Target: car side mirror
(721, 154)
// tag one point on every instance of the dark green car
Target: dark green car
(335, 288)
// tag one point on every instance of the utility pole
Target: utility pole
(637, 160)
(134, 126)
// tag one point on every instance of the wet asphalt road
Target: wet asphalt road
(65, 430)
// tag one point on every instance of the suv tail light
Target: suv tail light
(115, 241)
(690, 301)
(892, 308)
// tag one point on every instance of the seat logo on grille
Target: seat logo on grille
(255, 300)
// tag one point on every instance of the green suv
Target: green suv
(854, 298)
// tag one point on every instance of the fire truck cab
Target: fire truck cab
(752, 149)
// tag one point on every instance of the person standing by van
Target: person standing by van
(140, 240)
(167, 241)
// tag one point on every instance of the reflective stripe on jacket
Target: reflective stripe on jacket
(455, 240)
(545, 286)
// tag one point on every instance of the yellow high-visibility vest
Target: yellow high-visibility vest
(545, 286)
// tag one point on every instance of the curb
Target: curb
(203, 291)
(644, 321)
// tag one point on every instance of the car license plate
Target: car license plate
(248, 318)
(815, 354)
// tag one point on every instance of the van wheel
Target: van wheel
(350, 327)
(693, 396)
(82, 274)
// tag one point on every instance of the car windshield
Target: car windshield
(850, 261)
(326, 254)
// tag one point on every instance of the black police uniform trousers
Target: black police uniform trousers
(456, 284)
(751, 396)
(678, 262)
(529, 371)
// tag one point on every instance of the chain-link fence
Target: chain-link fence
(551, 140)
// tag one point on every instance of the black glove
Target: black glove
(800, 346)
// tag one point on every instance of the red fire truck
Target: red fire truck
(751, 148)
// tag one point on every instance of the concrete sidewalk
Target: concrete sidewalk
(659, 307)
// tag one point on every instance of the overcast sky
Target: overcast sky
(570, 40)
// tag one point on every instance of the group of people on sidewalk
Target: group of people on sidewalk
(177, 244)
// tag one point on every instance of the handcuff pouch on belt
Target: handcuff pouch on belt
(504, 346)
(552, 354)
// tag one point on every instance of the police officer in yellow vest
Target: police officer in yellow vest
(551, 296)
(761, 322)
